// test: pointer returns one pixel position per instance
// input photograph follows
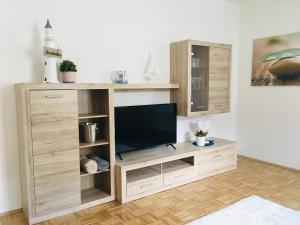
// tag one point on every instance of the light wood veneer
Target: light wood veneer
(48, 118)
(149, 171)
(186, 203)
(218, 61)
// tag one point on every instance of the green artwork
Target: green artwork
(276, 60)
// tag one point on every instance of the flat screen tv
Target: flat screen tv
(144, 126)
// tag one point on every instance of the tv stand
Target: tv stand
(149, 171)
(172, 146)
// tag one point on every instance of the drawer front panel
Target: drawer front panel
(56, 162)
(56, 192)
(144, 185)
(215, 161)
(179, 175)
(54, 121)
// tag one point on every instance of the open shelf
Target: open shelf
(97, 143)
(143, 173)
(83, 174)
(93, 103)
(176, 165)
(92, 194)
(91, 115)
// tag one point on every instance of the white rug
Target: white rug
(251, 211)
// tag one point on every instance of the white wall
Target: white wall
(102, 36)
(268, 125)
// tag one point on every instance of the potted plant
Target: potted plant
(201, 137)
(68, 70)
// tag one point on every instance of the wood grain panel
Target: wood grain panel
(212, 162)
(219, 78)
(56, 162)
(179, 68)
(143, 180)
(177, 171)
(54, 122)
(54, 188)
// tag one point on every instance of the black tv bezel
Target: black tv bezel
(152, 146)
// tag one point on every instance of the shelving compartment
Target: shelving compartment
(144, 179)
(93, 103)
(179, 170)
(93, 106)
(95, 187)
(102, 133)
(102, 152)
(98, 185)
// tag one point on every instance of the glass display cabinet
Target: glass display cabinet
(202, 70)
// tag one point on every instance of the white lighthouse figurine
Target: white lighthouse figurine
(51, 54)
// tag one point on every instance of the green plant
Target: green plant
(201, 133)
(67, 66)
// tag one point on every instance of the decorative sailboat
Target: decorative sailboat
(152, 69)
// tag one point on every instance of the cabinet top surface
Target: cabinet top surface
(133, 86)
(182, 149)
(203, 43)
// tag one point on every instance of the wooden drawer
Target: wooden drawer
(54, 120)
(177, 171)
(56, 162)
(57, 192)
(143, 180)
(215, 161)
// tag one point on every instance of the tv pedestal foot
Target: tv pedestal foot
(172, 146)
(119, 154)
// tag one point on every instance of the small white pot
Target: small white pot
(201, 141)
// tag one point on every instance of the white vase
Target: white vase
(201, 141)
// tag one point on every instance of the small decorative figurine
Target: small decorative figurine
(51, 53)
(120, 77)
(152, 68)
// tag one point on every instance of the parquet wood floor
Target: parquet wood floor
(188, 202)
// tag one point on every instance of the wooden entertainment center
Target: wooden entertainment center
(50, 150)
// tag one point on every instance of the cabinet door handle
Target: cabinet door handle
(217, 156)
(53, 96)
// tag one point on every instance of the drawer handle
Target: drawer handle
(217, 156)
(53, 96)
(146, 185)
(179, 176)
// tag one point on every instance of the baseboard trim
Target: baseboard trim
(11, 212)
(269, 163)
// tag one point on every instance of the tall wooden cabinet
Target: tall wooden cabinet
(55, 153)
(50, 150)
(202, 70)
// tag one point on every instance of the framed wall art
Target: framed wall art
(276, 60)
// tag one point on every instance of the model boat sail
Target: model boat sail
(152, 68)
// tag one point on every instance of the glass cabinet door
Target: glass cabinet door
(199, 78)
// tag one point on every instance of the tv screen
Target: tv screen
(144, 126)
